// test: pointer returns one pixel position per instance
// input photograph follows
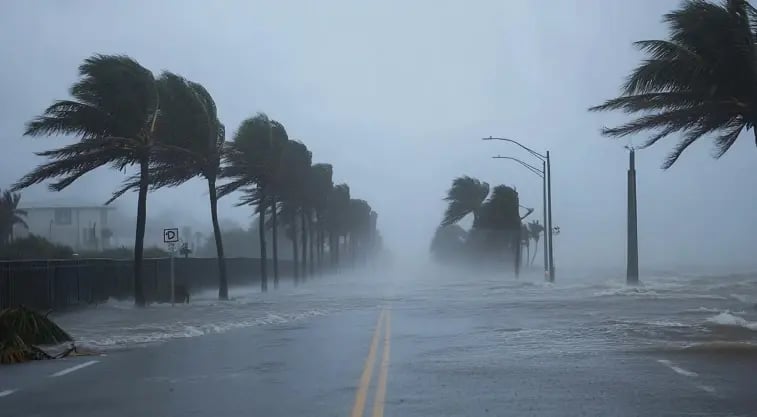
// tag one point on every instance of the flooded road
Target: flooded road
(461, 345)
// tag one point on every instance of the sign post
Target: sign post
(171, 236)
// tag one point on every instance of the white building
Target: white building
(80, 227)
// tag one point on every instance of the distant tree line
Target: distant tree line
(168, 127)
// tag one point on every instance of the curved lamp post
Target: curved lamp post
(546, 174)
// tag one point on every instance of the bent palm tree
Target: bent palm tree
(466, 196)
(321, 184)
(113, 112)
(252, 158)
(10, 215)
(700, 81)
(534, 230)
(190, 145)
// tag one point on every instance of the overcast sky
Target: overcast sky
(396, 94)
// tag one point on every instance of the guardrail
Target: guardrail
(59, 284)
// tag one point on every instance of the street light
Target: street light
(539, 173)
(546, 173)
(632, 258)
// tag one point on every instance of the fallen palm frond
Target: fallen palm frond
(33, 328)
(22, 329)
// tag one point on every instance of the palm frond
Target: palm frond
(464, 197)
(72, 161)
(702, 80)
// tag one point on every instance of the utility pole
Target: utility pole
(549, 216)
(632, 268)
(544, 213)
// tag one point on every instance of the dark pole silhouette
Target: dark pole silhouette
(548, 227)
(632, 268)
(544, 209)
(549, 216)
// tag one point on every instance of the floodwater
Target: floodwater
(706, 312)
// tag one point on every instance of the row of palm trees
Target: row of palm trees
(497, 223)
(168, 127)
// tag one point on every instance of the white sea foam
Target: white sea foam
(145, 334)
(677, 369)
(731, 320)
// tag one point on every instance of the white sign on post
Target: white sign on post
(171, 236)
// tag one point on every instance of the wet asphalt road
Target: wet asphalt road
(313, 369)
(439, 361)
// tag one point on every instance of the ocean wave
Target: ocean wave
(729, 319)
(146, 334)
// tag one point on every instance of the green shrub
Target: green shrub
(34, 247)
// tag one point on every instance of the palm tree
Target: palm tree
(359, 220)
(321, 183)
(534, 230)
(499, 219)
(252, 159)
(191, 141)
(291, 188)
(466, 196)
(702, 80)
(10, 215)
(113, 112)
(336, 216)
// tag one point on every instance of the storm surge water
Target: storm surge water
(582, 312)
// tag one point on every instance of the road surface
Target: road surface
(440, 351)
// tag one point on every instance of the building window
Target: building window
(63, 216)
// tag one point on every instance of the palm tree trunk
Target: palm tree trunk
(337, 247)
(261, 234)
(139, 239)
(223, 284)
(536, 250)
(295, 253)
(304, 243)
(275, 244)
(312, 244)
(318, 246)
(528, 250)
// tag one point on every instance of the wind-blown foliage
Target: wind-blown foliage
(121, 116)
(113, 113)
(10, 215)
(535, 230)
(253, 160)
(496, 231)
(336, 218)
(700, 81)
(464, 197)
(191, 139)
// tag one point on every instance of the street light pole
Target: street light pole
(549, 215)
(547, 172)
(632, 267)
(544, 210)
(541, 174)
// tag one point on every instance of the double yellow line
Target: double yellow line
(384, 323)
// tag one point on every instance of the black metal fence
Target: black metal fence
(58, 284)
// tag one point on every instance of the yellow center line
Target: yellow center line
(365, 377)
(378, 401)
